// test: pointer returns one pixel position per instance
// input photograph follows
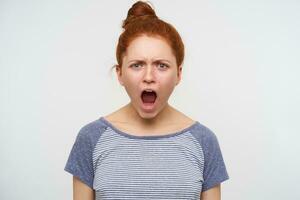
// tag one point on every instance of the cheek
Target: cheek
(131, 84)
(166, 79)
(133, 81)
(167, 84)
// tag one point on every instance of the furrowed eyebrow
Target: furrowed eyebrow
(162, 60)
(156, 61)
(136, 61)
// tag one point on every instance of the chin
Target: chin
(147, 115)
(144, 114)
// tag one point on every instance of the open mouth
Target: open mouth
(148, 97)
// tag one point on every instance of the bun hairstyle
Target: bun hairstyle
(142, 20)
(139, 10)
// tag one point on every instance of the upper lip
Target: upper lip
(145, 89)
(152, 89)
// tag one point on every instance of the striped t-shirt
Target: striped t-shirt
(118, 165)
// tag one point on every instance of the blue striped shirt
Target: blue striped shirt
(118, 165)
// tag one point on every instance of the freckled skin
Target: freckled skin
(149, 63)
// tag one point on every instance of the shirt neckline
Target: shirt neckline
(149, 137)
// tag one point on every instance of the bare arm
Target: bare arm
(81, 191)
(212, 194)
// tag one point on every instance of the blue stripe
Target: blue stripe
(142, 168)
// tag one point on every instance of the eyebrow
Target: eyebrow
(143, 61)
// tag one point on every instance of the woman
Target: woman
(147, 149)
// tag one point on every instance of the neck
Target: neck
(163, 117)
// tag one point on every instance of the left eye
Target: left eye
(162, 65)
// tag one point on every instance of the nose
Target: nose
(149, 75)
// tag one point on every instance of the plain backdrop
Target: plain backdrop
(240, 79)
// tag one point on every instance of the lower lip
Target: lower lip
(148, 107)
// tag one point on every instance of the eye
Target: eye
(135, 65)
(162, 66)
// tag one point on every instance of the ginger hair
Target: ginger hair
(142, 20)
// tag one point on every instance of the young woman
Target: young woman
(147, 149)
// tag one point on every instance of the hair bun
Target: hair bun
(139, 10)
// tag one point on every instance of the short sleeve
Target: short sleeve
(80, 161)
(214, 167)
(214, 170)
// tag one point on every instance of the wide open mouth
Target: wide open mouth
(148, 97)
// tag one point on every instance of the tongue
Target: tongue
(148, 97)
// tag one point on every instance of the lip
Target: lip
(148, 107)
(154, 90)
(149, 89)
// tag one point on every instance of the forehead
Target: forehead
(149, 47)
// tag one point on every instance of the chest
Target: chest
(146, 169)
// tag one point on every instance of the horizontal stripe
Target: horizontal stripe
(164, 168)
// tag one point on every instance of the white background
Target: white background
(239, 79)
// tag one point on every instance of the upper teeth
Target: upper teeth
(148, 90)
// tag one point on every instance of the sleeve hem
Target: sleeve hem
(74, 173)
(212, 184)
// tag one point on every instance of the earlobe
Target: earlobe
(119, 74)
(179, 75)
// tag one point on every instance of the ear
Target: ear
(179, 74)
(119, 74)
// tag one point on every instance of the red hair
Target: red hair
(142, 20)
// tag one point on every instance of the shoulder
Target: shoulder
(203, 134)
(93, 126)
(91, 131)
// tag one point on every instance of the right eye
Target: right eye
(135, 65)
